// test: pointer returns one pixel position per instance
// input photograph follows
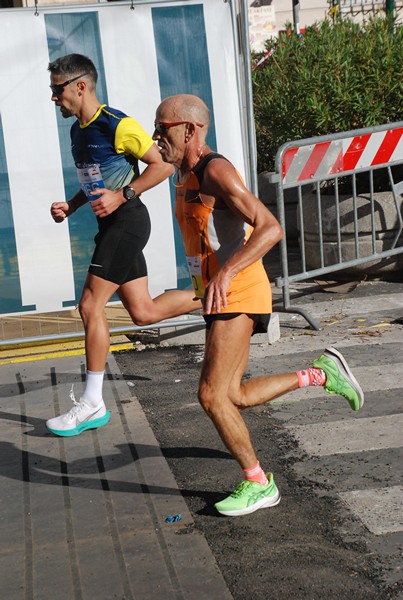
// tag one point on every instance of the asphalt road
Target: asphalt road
(337, 532)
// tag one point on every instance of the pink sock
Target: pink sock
(256, 474)
(311, 376)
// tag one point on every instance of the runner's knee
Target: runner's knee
(207, 398)
(89, 309)
(141, 315)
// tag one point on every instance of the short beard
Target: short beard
(66, 114)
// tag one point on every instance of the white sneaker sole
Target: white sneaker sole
(340, 358)
(263, 503)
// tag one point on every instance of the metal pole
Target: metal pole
(186, 321)
(295, 14)
(248, 91)
(390, 7)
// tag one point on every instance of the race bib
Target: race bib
(195, 270)
(90, 178)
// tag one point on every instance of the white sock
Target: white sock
(93, 388)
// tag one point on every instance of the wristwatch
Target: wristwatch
(129, 193)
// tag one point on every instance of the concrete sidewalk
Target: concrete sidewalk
(85, 517)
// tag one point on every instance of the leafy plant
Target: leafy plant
(335, 78)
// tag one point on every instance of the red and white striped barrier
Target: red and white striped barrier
(333, 157)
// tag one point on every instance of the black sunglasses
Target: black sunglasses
(57, 88)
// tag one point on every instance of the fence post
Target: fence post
(295, 14)
(390, 7)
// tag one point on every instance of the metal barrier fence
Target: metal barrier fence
(186, 324)
(343, 222)
(365, 7)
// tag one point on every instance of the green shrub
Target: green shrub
(335, 78)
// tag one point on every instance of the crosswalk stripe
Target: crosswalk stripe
(375, 378)
(379, 509)
(340, 437)
(351, 306)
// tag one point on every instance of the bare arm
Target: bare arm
(155, 172)
(223, 183)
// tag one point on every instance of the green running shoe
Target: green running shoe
(249, 496)
(339, 378)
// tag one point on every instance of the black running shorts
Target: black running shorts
(261, 322)
(122, 236)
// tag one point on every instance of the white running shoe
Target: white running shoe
(79, 418)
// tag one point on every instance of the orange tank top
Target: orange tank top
(210, 237)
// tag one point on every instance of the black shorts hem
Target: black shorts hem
(261, 320)
(113, 279)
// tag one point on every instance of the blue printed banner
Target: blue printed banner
(142, 56)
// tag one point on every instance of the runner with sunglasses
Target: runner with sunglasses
(106, 146)
(226, 231)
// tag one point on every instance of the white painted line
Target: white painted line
(381, 510)
(341, 437)
(351, 306)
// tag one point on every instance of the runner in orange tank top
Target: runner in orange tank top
(226, 232)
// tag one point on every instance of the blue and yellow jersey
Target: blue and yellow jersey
(112, 140)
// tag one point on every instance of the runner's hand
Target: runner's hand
(107, 203)
(59, 211)
(215, 296)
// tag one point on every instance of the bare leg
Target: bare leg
(262, 389)
(221, 392)
(137, 301)
(143, 309)
(259, 390)
(95, 295)
(90, 412)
